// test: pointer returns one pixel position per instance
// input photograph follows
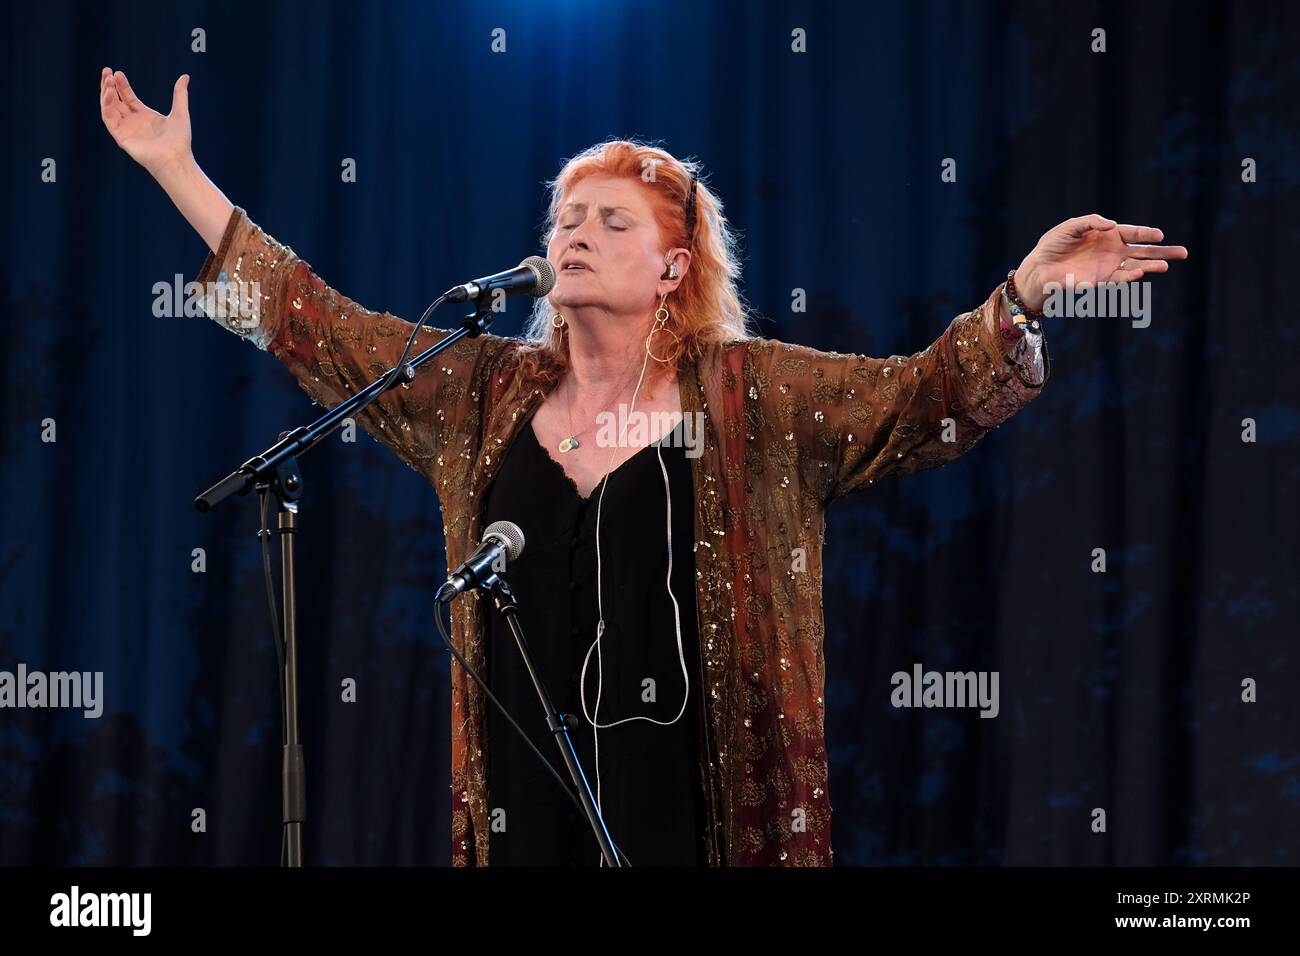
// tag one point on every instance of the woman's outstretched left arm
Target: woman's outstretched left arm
(846, 421)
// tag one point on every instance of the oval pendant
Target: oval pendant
(568, 444)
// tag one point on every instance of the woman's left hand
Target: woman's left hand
(1092, 249)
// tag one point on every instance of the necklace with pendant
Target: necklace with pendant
(570, 443)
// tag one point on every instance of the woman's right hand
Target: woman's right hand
(151, 139)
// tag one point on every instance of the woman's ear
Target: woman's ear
(676, 262)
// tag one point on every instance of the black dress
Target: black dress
(651, 789)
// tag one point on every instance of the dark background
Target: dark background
(1118, 690)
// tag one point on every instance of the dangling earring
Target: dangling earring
(557, 324)
(661, 325)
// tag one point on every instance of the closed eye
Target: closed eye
(574, 225)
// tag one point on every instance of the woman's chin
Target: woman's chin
(572, 299)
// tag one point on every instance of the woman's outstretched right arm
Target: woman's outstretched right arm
(161, 144)
(261, 290)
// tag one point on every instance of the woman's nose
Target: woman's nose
(578, 236)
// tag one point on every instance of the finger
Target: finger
(128, 95)
(108, 88)
(1081, 224)
(1131, 233)
(110, 106)
(181, 95)
(1131, 270)
(1155, 252)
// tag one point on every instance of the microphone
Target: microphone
(534, 276)
(502, 539)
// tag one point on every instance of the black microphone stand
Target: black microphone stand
(276, 470)
(504, 600)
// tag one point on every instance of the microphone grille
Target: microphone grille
(545, 273)
(508, 532)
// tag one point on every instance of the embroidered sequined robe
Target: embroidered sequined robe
(787, 429)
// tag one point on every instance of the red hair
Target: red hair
(706, 307)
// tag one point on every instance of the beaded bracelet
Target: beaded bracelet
(1016, 305)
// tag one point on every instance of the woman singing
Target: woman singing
(670, 472)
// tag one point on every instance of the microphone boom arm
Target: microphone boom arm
(260, 467)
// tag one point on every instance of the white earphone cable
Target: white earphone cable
(593, 717)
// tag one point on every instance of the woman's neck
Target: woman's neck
(606, 352)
